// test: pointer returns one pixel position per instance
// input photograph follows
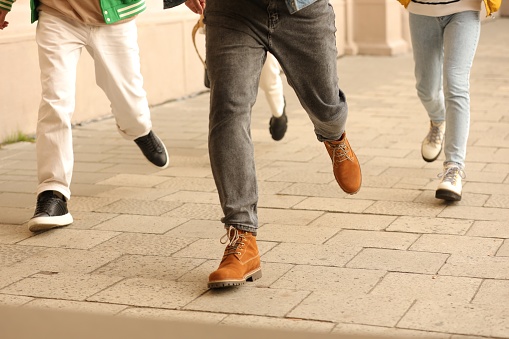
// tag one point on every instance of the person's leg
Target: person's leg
(59, 46)
(427, 44)
(461, 36)
(305, 45)
(272, 85)
(235, 55)
(115, 52)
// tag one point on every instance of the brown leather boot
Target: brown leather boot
(345, 165)
(241, 260)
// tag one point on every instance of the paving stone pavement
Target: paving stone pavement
(390, 260)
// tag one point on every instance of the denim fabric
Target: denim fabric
(239, 34)
(444, 49)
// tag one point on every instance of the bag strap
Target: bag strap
(196, 27)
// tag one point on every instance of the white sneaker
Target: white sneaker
(432, 144)
(450, 185)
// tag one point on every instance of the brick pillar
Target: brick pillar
(379, 27)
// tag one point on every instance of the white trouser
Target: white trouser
(115, 52)
(272, 85)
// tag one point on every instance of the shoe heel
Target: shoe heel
(447, 195)
(255, 276)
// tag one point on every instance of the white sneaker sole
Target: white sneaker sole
(447, 195)
(46, 223)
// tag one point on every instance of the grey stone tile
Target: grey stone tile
(493, 292)
(430, 225)
(375, 239)
(458, 318)
(10, 254)
(173, 315)
(137, 193)
(495, 229)
(322, 278)
(88, 204)
(313, 190)
(140, 224)
(87, 220)
(498, 201)
(133, 180)
(427, 287)
(278, 201)
(76, 306)
(189, 184)
(385, 332)
(69, 238)
(139, 207)
(404, 208)
(310, 254)
(66, 260)
(387, 194)
(199, 229)
(295, 233)
(504, 249)
(353, 221)
(486, 188)
(13, 300)
(475, 213)
(19, 186)
(150, 293)
(193, 197)
(22, 200)
(14, 215)
(347, 308)
(65, 286)
(334, 205)
(11, 234)
(473, 246)
(196, 211)
(286, 324)
(287, 217)
(150, 267)
(399, 261)
(477, 267)
(186, 171)
(144, 244)
(249, 301)
(9, 275)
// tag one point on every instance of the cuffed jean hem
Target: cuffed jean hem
(250, 229)
(55, 187)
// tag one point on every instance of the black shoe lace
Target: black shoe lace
(44, 204)
(150, 143)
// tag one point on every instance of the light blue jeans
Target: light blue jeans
(444, 49)
(239, 35)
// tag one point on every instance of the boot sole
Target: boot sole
(47, 223)
(252, 276)
(447, 195)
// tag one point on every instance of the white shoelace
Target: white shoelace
(450, 174)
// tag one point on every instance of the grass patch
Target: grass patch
(17, 137)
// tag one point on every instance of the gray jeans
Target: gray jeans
(239, 34)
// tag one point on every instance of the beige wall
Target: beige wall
(170, 66)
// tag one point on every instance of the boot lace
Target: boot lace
(435, 135)
(340, 152)
(451, 174)
(234, 241)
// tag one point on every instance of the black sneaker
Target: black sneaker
(50, 212)
(153, 149)
(278, 126)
